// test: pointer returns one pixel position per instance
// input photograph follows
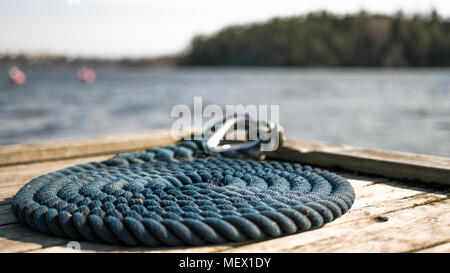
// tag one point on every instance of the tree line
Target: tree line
(326, 39)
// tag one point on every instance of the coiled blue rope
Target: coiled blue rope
(178, 195)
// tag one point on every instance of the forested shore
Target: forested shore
(326, 39)
(314, 39)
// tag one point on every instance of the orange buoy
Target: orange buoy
(16, 76)
(86, 75)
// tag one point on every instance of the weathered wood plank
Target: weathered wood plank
(405, 230)
(386, 205)
(90, 247)
(7, 195)
(379, 193)
(17, 174)
(12, 178)
(23, 153)
(28, 243)
(14, 231)
(17, 237)
(398, 165)
(6, 216)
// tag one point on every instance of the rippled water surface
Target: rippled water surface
(395, 109)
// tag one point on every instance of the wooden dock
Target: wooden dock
(399, 206)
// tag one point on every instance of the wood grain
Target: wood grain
(404, 230)
(24, 153)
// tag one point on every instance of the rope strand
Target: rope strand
(177, 195)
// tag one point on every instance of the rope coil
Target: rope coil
(178, 195)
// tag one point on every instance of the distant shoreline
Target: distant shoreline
(323, 39)
(63, 60)
(23, 60)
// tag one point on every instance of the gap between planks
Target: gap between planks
(12, 178)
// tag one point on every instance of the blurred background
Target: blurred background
(366, 73)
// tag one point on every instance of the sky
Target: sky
(149, 28)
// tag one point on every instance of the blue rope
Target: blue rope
(178, 195)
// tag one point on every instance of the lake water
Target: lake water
(396, 109)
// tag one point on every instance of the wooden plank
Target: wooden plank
(404, 231)
(440, 248)
(18, 237)
(7, 195)
(28, 243)
(14, 231)
(90, 247)
(13, 177)
(6, 215)
(25, 153)
(398, 165)
(385, 205)
(17, 174)
(387, 190)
